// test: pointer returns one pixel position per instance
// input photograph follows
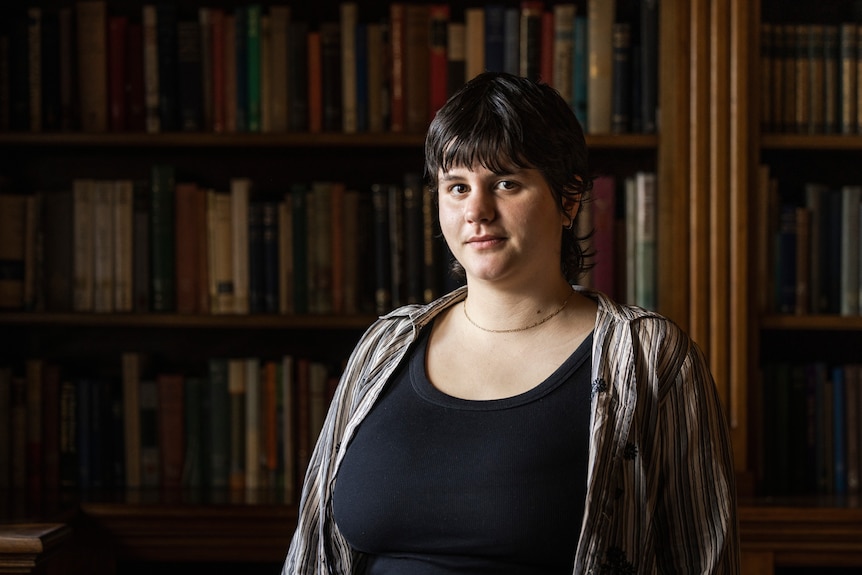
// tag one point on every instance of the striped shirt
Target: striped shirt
(660, 488)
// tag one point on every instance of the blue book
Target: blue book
(511, 45)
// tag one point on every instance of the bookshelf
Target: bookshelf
(172, 527)
(706, 154)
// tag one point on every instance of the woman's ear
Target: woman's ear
(570, 209)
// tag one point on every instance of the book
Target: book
(621, 78)
(417, 85)
(438, 75)
(103, 246)
(530, 63)
(252, 28)
(266, 73)
(848, 77)
(51, 389)
(34, 369)
(83, 238)
(148, 411)
(413, 239)
(141, 245)
(604, 229)
(563, 53)
(285, 256)
(151, 68)
(92, 26)
(331, 76)
(206, 72)
(217, 429)
(194, 426)
(231, 79)
(348, 22)
(13, 215)
(474, 32)
(237, 425)
(288, 433)
(190, 84)
(831, 80)
(645, 240)
(851, 199)
(116, 52)
(240, 194)
(649, 64)
(278, 46)
(166, 40)
(397, 72)
(240, 66)
(314, 81)
(131, 378)
(600, 20)
(495, 37)
(218, 73)
(162, 238)
(456, 55)
(172, 433)
(378, 88)
(298, 76)
(382, 252)
(580, 72)
(220, 253)
(123, 252)
(190, 217)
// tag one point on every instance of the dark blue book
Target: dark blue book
(495, 37)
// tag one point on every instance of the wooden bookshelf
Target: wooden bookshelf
(706, 156)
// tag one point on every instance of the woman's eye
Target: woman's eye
(457, 189)
(507, 185)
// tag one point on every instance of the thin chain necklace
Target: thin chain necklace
(531, 326)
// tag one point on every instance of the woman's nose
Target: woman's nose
(480, 206)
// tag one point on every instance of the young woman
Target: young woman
(520, 424)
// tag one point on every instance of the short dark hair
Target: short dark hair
(498, 121)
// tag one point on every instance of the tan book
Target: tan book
(279, 16)
(83, 194)
(240, 193)
(474, 56)
(220, 253)
(600, 21)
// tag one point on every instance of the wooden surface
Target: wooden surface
(27, 548)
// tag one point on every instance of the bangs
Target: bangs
(489, 141)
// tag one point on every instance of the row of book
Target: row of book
(166, 246)
(243, 424)
(812, 426)
(812, 249)
(810, 77)
(257, 68)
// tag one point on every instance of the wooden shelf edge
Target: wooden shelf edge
(274, 321)
(811, 322)
(811, 141)
(288, 140)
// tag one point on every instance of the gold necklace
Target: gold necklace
(531, 326)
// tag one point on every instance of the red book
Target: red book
(171, 431)
(438, 63)
(547, 56)
(218, 68)
(190, 217)
(51, 426)
(315, 83)
(604, 234)
(136, 113)
(117, 26)
(397, 96)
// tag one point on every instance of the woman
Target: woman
(520, 424)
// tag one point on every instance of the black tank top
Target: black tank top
(432, 484)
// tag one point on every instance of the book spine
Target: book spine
(349, 19)
(621, 86)
(416, 67)
(162, 240)
(93, 64)
(151, 69)
(117, 33)
(438, 15)
(166, 39)
(190, 76)
(397, 77)
(219, 414)
(253, 78)
(171, 427)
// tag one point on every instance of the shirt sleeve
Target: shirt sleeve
(696, 513)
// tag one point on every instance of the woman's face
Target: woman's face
(501, 226)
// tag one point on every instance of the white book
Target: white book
(474, 49)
